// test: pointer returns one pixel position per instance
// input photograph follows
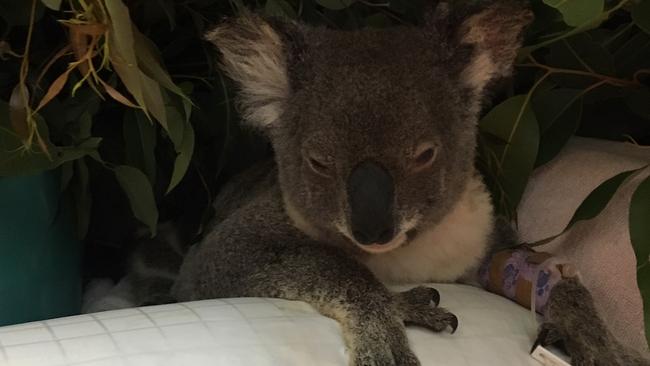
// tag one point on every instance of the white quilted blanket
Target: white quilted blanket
(261, 332)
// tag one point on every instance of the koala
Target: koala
(373, 179)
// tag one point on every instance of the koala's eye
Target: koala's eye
(424, 156)
(319, 164)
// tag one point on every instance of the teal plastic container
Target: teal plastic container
(40, 259)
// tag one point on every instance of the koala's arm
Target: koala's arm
(256, 253)
(537, 280)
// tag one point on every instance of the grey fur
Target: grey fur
(287, 237)
(573, 320)
(329, 100)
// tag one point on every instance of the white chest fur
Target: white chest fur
(446, 251)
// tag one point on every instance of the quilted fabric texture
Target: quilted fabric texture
(261, 332)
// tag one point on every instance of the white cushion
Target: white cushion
(254, 331)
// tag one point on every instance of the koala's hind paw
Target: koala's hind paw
(572, 320)
(418, 307)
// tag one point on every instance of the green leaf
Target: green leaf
(138, 190)
(598, 199)
(335, 4)
(514, 123)
(67, 171)
(146, 91)
(639, 102)
(578, 12)
(643, 281)
(639, 216)
(82, 198)
(17, 13)
(122, 51)
(559, 132)
(641, 15)
(16, 160)
(150, 62)
(550, 104)
(185, 152)
(378, 20)
(280, 8)
(595, 202)
(633, 54)
(588, 54)
(140, 140)
(52, 4)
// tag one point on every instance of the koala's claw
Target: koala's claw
(419, 295)
(436, 319)
(571, 318)
(418, 307)
(547, 335)
(383, 345)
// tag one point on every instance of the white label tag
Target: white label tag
(548, 358)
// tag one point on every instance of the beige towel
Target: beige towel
(600, 247)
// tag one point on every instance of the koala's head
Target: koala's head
(373, 130)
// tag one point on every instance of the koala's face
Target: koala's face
(377, 141)
(374, 131)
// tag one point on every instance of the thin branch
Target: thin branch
(608, 79)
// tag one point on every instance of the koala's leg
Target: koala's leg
(571, 318)
(371, 317)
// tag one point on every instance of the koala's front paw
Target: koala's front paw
(572, 320)
(418, 307)
(379, 338)
(381, 344)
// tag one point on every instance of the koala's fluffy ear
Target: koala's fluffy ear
(253, 55)
(495, 34)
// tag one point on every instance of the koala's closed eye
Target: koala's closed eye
(319, 164)
(424, 156)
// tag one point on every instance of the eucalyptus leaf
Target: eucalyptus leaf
(17, 13)
(176, 128)
(639, 102)
(150, 62)
(550, 104)
(640, 238)
(16, 159)
(185, 152)
(514, 123)
(121, 45)
(124, 50)
(598, 199)
(280, 8)
(138, 190)
(378, 20)
(559, 132)
(67, 172)
(633, 54)
(641, 15)
(595, 202)
(335, 4)
(52, 4)
(140, 143)
(82, 198)
(578, 12)
(643, 282)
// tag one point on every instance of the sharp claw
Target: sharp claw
(435, 297)
(453, 323)
(540, 340)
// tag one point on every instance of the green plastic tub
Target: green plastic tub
(40, 259)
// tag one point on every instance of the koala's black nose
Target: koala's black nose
(371, 198)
